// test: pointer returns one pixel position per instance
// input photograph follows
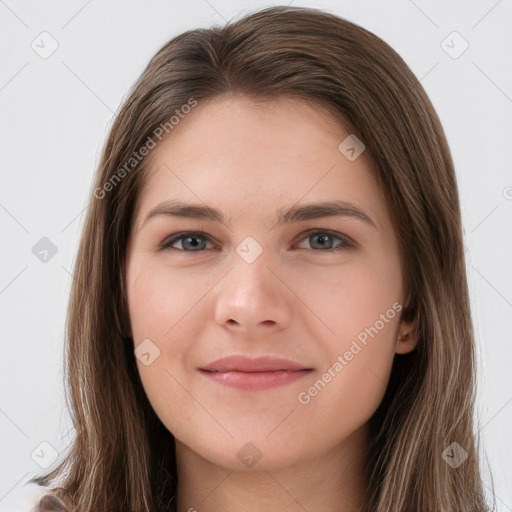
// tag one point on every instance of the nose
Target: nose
(253, 297)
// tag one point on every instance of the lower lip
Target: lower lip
(255, 380)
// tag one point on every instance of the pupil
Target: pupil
(323, 239)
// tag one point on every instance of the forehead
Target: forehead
(244, 155)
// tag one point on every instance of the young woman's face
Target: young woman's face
(319, 290)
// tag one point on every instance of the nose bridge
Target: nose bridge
(251, 294)
(251, 272)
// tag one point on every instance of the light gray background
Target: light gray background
(55, 116)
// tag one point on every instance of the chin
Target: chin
(247, 453)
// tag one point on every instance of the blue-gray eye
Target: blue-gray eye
(325, 243)
(196, 241)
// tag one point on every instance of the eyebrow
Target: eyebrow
(294, 214)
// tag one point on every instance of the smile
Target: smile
(255, 380)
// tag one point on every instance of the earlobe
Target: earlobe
(407, 336)
(406, 342)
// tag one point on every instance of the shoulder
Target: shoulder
(49, 503)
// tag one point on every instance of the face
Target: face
(310, 299)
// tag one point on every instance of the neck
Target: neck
(331, 482)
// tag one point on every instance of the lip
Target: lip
(254, 373)
(241, 363)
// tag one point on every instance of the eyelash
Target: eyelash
(346, 243)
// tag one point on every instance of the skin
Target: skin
(296, 300)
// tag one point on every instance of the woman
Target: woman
(217, 349)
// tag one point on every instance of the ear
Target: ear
(407, 337)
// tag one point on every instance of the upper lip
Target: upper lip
(249, 364)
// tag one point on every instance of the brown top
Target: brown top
(50, 503)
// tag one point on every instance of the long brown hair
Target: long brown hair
(122, 457)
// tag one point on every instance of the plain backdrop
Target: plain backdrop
(55, 113)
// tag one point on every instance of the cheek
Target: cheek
(360, 311)
(161, 307)
(343, 395)
(165, 306)
(158, 298)
(343, 302)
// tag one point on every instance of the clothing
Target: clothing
(50, 503)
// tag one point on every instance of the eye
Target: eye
(191, 240)
(196, 241)
(323, 242)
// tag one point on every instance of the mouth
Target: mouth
(254, 374)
